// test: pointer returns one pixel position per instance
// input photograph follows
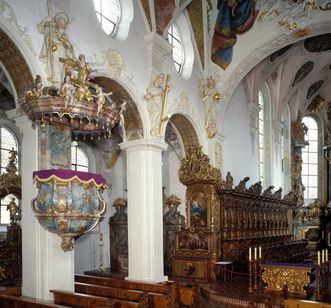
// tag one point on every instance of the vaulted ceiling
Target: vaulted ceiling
(302, 67)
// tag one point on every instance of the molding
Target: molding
(143, 144)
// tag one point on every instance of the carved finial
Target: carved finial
(241, 187)
(268, 191)
(256, 188)
(290, 197)
(278, 193)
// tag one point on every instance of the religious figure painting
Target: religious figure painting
(192, 241)
(198, 210)
(234, 17)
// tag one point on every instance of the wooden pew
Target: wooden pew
(79, 300)
(125, 284)
(111, 292)
(10, 301)
(15, 291)
(154, 299)
(159, 295)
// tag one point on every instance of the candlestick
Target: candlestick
(101, 264)
(255, 253)
(260, 252)
(322, 256)
(250, 254)
(318, 258)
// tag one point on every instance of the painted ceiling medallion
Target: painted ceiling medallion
(314, 88)
(303, 72)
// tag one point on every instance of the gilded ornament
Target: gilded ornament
(295, 278)
(63, 225)
(195, 167)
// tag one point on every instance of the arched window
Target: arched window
(175, 39)
(109, 14)
(79, 159)
(310, 159)
(8, 142)
(261, 137)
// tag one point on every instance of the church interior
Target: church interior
(165, 153)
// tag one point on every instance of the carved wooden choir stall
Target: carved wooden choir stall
(224, 221)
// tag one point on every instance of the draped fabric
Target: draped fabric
(234, 16)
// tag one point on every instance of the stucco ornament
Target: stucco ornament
(8, 14)
(115, 62)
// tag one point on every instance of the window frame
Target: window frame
(74, 165)
(101, 16)
(170, 38)
(308, 150)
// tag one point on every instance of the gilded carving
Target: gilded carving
(296, 279)
(195, 167)
(316, 104)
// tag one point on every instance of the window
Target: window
(175, 40)
(310, 159)
(79, 159)
(8, 142)
(4, 213)
(109, 14)
(261, 137)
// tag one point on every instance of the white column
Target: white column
(145, 221)
(45, 265)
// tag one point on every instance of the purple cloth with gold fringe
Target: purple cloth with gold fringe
(68, 175)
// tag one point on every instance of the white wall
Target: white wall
(240, 156)
(170, 177)
(87, 246)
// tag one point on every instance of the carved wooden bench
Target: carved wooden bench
(153, 299)
(10, 301)
(73, 299)
(125, 284)
(158, 295)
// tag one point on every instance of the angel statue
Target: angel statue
(79, 70)
(210, 96)
(101, 98)
(56, 45)
(36, 90)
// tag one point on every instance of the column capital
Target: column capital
(144, 144)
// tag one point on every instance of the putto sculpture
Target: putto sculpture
(69, 98)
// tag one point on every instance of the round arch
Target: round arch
(186, 130)
(132, 119)
(15, 65)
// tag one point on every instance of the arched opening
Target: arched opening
(180, 135)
